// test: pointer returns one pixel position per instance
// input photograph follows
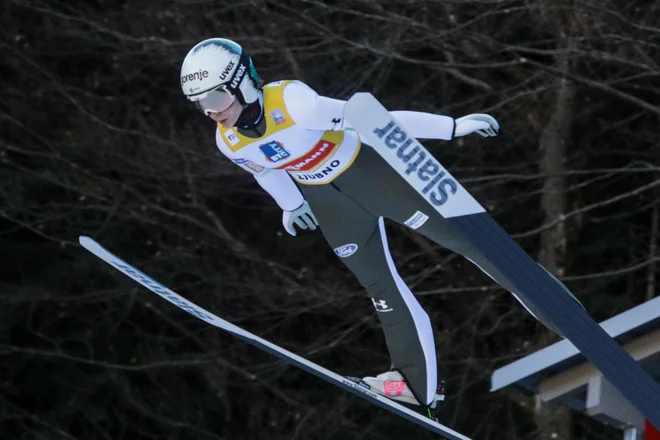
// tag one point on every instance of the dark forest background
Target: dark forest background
(97, 139)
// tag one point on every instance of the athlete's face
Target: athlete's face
(227, 118)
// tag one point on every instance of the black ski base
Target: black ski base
(549, 297)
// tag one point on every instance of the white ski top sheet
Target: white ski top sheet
(323, 373)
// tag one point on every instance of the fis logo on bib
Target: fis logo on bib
(274, 151)
(431, 179)
(231, 137)
(346, 250)
(278, 116)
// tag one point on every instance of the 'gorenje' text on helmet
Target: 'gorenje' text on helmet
(219, 63)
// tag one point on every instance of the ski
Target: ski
(353, 385)
(442, 191)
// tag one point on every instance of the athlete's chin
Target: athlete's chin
(227, 123)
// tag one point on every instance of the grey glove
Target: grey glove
(482, 124)
(303, 217)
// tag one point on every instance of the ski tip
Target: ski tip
(85, 241)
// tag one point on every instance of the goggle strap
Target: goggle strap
(243, 67)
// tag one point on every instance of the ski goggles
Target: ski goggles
(215, 101)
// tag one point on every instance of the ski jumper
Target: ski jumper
(350, 190)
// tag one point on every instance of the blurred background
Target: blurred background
(96, 139)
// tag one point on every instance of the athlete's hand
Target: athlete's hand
(482, 124)
(302, 216)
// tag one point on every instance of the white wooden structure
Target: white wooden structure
(560, 373)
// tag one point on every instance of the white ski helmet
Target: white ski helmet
(221, 66)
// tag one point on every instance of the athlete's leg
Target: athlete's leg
(359, 239)
(383, 192)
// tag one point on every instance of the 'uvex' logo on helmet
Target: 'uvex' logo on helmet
(225, 72)
(239, 76)
(194, 76)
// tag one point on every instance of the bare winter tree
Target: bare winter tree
(554, 420)
(96, 139)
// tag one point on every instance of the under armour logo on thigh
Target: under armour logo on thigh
(381, 305)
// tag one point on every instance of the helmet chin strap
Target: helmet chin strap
(252, 119)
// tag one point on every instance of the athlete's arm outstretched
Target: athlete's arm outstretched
(316, 112)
